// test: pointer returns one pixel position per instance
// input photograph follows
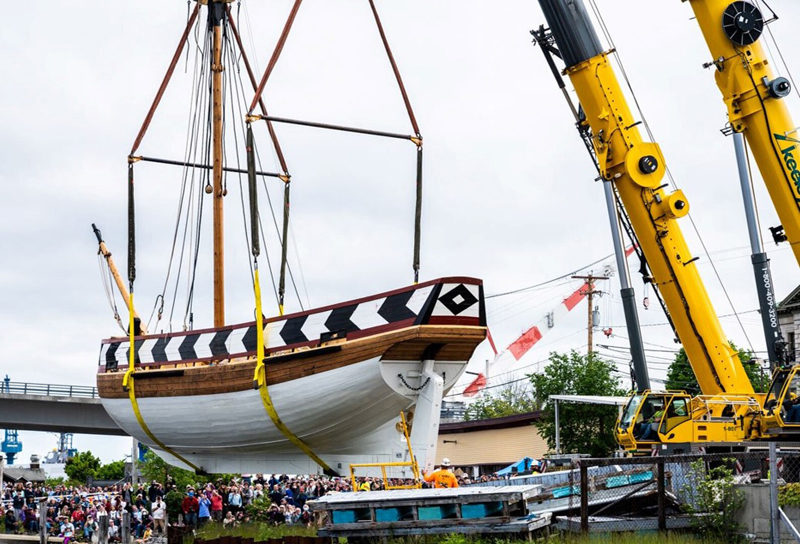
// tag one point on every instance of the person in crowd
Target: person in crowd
(230, 520)
(158, 511)
(216, 506)
(190, 507)
(443, 477)
(204, 510)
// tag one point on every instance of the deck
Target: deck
(469, 510)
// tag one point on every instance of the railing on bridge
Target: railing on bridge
(47, 389)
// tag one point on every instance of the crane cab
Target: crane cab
(653, 417)
(782, 404)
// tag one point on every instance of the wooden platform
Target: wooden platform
(9, 538)
(468, 510)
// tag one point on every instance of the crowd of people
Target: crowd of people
(76, 512)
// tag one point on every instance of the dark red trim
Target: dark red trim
(453, 320)
(517, 420)
(453, 279)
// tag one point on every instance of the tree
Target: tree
(585, 428)
(155, 468)
(681, 376)
(82, 466)
(510, 400)
(114, 471)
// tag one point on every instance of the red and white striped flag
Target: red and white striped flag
(519, 347)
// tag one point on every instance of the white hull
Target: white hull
(347, 415)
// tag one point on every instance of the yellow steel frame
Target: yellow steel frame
(741, 75)
(653, 214)
(412, 463)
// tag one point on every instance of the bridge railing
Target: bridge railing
(48, 389)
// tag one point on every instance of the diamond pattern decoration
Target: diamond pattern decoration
(458, 299)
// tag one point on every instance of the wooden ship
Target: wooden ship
(304, 392)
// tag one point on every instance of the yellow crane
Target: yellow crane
(753, 96)
(728, 410)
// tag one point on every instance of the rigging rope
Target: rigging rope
(275, 54)
(260, 373)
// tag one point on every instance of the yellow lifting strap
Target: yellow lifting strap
(260, 382)
(127, 383)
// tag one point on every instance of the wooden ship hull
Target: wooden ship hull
(337, 376)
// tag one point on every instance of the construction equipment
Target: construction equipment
(10, 445)
(754, 99)
(633, 171)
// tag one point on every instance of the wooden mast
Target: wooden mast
(216, 16)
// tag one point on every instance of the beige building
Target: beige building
(789, 319)
(487, 445)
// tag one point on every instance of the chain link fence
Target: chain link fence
(671, 492)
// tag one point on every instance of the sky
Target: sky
(509, 195)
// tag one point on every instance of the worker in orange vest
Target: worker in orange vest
(443, 477)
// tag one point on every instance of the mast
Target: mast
(216, 17)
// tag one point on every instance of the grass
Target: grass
(257, 531)
(262, 531)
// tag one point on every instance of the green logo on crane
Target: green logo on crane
(789, 160)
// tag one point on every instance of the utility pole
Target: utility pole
(589, 292)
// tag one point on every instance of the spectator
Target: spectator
(204, 510)
(189, 507)
(216, 506)
(158, 511)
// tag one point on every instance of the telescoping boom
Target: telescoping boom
(728, 409)
(754, 99)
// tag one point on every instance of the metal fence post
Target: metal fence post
(42, 522)
(584, 497)
(125, 530)
(774, 513)
(102, 529)
(662, 499)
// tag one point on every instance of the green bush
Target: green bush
(258, 509)
(789, 495)
(713, 500)
(173, 500)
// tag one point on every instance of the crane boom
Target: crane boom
(636, 168)
(753, 97)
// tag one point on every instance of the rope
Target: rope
(127, 383)
(260, 381)
(165, 81)
(275, 54)
(396, 71)
(273, 136)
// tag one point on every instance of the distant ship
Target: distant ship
(331, 382)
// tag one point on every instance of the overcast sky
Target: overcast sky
(509, 195)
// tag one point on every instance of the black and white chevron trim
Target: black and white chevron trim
(417, 303)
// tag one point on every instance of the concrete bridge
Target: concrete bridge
(54, 407)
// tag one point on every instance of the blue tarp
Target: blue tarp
(523, 465)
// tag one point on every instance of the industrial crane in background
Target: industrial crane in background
(10, 446)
